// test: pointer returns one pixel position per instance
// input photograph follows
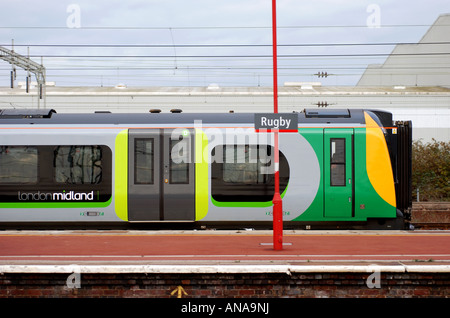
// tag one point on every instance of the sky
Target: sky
(199, 42)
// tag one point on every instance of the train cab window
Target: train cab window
(179, 161)
(78, 164)
(337, 162)
(245, 173)
(18, 165)
(143, 165)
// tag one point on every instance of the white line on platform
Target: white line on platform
(188, 269)
(235, 256)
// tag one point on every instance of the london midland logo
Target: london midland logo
(56, 196)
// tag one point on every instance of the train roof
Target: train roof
(51, 117)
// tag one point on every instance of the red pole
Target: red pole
(277, 202)
(274, 48)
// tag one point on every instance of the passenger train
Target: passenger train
(342, 168)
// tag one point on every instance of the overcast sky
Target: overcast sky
(202, 42)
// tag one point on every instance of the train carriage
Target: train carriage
(342, 168)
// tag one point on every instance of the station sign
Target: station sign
(281, 122)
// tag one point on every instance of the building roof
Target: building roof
(426, 63)
(299, 89)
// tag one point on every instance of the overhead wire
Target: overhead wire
(224, 45)
(155, 62)
(211, 27)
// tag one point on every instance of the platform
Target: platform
(251, 250)
(224, 264)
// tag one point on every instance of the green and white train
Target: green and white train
(342, 169)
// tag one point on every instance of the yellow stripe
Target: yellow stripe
(378, 162)
(201, 174)
(121, 175)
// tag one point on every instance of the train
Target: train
(340, 168)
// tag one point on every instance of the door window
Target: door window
(179, 165)
(337, 161)
(143, 161)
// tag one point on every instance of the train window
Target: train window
(179, 161)
(244, 173)
(18, 164)
(78, 164)
(337, 162)
(26, 171)
(143, 157)
(241, 165)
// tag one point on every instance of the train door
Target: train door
(161, 175)
(338, 173)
